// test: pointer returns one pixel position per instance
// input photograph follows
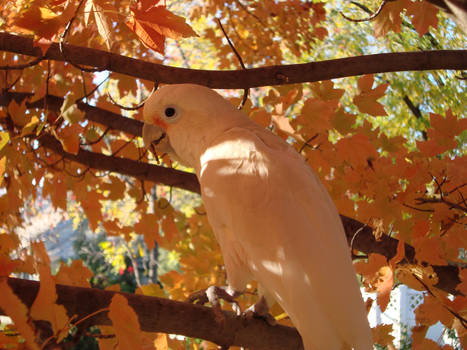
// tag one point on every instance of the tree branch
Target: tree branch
(245, 78)
(168, 316)
(140, 170)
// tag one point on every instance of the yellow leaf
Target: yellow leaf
(126, 324)
(4, 138)
(15, 309)
(29, 127)
(2, 168)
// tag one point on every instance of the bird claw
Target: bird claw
(212, 295)
(259, 310)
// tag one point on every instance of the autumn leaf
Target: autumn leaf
(389, 19)
(100, 11)
(148, 225)
(15, 309)
(462, 287)
(382, 334)
(356, 149)
(153, 24)
(69, 138)
(431, 311)
(125, 323)
(70, 110)
(74, 275)
(18, 113)
(366, 99)
(4, 138)
(378, 277)
(343, 121)
(44, 306)
(424, 14)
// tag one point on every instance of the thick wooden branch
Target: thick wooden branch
(245, 78)
(364, 241)
(168, 316)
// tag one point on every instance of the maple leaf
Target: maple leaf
(153, 24)
(389, 18)
(17, 311)
(125, 322)
(101, 11)
(148, 225)
(69, 138)
(462, 287)
(431, 311)
(424, 15)
(74, 275)
(381, 334)
(44, 306)
(366, 99)
(377, 276)
(18, 113)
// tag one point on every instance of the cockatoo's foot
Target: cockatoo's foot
(212, 295)
(260, 310)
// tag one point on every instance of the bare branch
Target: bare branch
(245, 78)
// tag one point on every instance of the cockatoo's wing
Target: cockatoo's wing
(276, 222)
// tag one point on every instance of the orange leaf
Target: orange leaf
(18, 113)
(424, 15)
(15, 309)
(148, 225)
(69, 138)
(44, 306)
(400, 254)
(432, 311)
(356, 149)
(125, 322)
(153, 24)
(324, 90)
(381, 334)
(366, 99)
(343, 121)
(462, 287)
(389, 18)
(74, 275)
(316, 115)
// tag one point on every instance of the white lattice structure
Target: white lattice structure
(400, 313)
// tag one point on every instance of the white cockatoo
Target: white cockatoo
(273, 218)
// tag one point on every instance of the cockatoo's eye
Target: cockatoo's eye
(170, 114)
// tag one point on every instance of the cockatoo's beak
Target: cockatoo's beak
(154, 135)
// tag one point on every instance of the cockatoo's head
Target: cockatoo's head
(182, 120)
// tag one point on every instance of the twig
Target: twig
(372, 15)
(22, 66)
(134, 108)
(247, 90)
(462, 320)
